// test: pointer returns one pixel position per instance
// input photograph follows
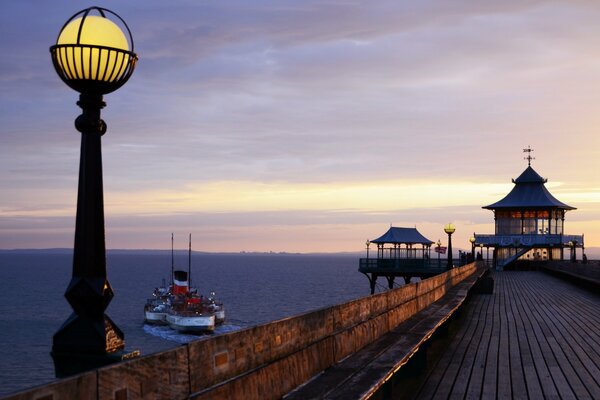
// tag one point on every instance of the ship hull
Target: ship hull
(155, 318)
(191, 324)
(219, 317)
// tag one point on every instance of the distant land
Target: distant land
(593, 253)
(176, 251)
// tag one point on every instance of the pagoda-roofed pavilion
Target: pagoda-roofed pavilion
(403, 252)
(416, 245)
(529, 223)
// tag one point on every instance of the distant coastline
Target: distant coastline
(593, 253)
(165, 251)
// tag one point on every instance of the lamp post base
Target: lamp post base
(68, 364)
(85, 343)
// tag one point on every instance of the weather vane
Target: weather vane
(528, 150)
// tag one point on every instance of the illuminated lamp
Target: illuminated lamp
(93, 56)
(449, 229)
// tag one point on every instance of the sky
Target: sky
(305, 126)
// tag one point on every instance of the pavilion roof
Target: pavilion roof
(402, 236)
(529, 192)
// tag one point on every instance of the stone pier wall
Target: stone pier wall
(261, 362)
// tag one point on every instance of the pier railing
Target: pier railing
(384, 265)
(528, 240)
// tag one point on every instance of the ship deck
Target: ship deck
(535, 337)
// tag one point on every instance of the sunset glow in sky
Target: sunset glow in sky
(305, 126)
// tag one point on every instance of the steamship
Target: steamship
(181, 307)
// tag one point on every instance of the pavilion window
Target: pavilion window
(528, 223)
(543, 222)
(529, 227)
(543, 227)
(559, 226)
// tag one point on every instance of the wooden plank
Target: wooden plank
(541, 339)
(461, 341)
(543, 375)
(517, 373)
(503, 381)
(497, 369)
(587, 371)
(546, 359)
(475, 386)
(459, 370)
(577, 377)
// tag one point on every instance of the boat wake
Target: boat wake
(166, 333)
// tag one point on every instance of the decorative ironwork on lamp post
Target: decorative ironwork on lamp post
(449, 229)
(472, 240)
(93, 56)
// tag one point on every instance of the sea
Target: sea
(255, 288)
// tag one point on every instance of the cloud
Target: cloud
(308, 93)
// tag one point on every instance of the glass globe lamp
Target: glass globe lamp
(92, 53)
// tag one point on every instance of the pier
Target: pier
(533, 336)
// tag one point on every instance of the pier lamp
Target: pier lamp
(449, 229)
(472, 240)
(368, 243)
(439, 248)
(93, 55)
(573, 246)
(570, 244)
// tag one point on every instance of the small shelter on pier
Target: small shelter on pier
(529, 224)
(400, 252)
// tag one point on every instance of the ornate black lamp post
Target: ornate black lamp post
(472, 240)
(439, 248)
(94, 57)
(368, 243)
(449, 229)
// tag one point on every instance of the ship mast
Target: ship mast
(172, 262)
(190, 262)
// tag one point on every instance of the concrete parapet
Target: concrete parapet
(163, 375)
(84, 387)
(401, 295)
(275, 378)
(225, 356)
(260, 362)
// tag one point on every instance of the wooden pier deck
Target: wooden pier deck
(535, 337)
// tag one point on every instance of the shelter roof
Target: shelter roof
(402, 235)
(529, 192)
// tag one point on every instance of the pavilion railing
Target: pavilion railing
(404, 264)
(528, 240)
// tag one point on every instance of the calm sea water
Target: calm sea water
(255, 289)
